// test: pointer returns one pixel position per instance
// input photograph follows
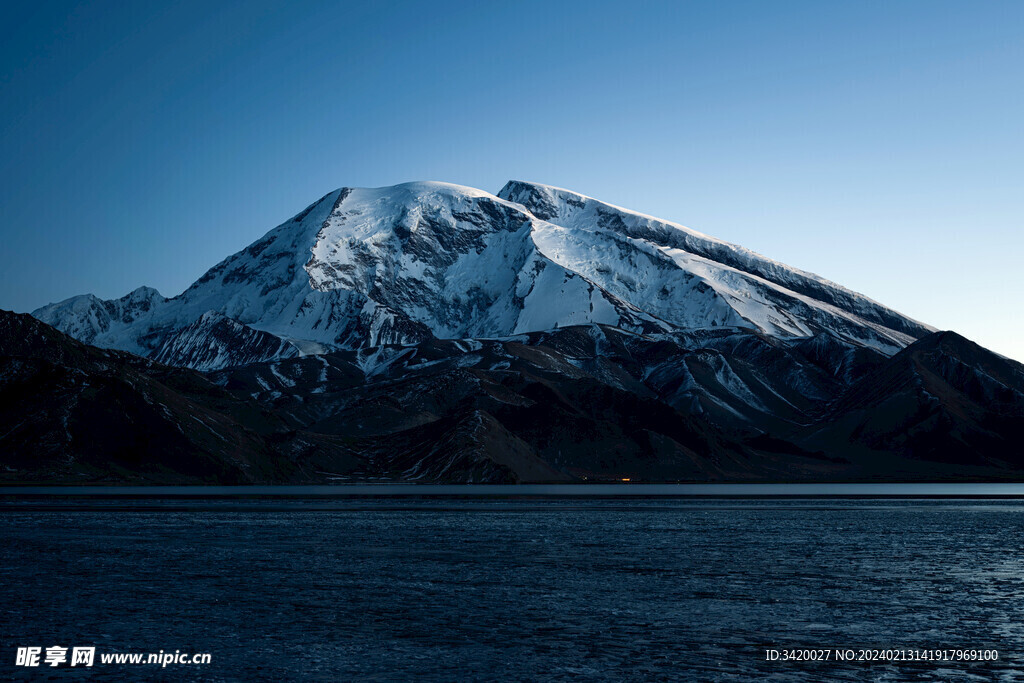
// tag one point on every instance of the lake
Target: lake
(608, 589)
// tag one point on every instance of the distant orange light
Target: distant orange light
(624, 479)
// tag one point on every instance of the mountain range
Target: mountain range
(434, 332)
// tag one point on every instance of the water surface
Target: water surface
(442, 590)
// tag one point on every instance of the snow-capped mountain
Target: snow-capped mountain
(433, 332)
(403, 264)
(672, 268)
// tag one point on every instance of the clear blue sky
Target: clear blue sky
(879, 144)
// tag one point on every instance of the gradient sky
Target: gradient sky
(877, 144)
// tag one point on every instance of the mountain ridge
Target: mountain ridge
(582, 403)
(435, 332)
(571, 209)
(401, 264)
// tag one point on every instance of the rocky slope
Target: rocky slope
(583, 403)
(599, 403)
(75, 414)
(943, 403)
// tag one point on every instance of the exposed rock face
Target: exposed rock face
(215, 341)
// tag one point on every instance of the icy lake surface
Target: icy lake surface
(445, 590)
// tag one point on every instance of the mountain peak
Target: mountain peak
(424, 187)
(368, 266)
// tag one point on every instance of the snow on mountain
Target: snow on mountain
(101, 323)
(735, 285)
(216, 341)
(460, 261)
(398, 265)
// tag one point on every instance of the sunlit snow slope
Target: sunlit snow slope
(693, 280)
(365, 267)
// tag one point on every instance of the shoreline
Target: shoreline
(1000, 490)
